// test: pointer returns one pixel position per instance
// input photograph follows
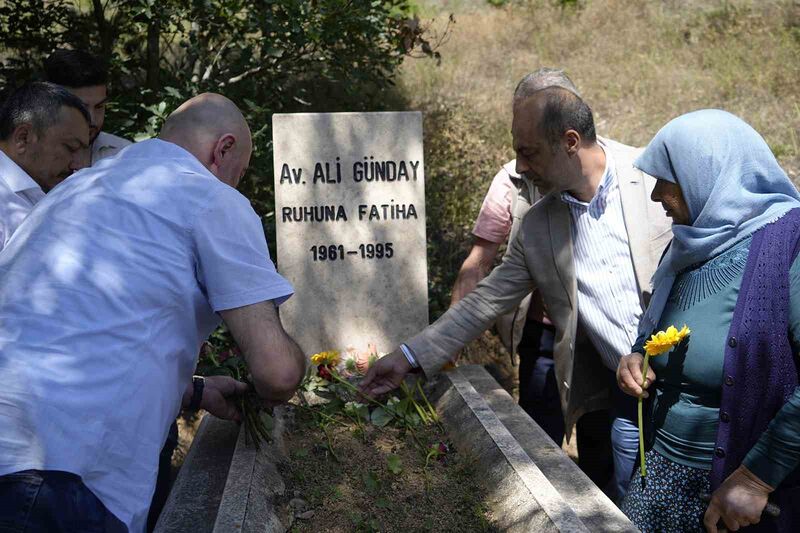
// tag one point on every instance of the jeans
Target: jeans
(607, 439)
(49, 501)
(624, 440)
(164, 478)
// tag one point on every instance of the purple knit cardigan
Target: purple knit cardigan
(760, 372)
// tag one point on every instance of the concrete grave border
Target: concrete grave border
(531, 484)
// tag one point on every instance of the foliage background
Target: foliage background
(267, 56)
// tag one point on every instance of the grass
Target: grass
(638, 63)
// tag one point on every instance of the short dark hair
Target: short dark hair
(75, 68)
(37, 103)
(564, 111)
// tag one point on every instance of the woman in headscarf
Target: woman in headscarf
(725, 415)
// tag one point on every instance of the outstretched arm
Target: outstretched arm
(275, 360)
(505, 287)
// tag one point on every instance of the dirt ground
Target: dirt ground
(352, 485)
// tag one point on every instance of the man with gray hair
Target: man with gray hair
(43, 131)
(114, 283)
(526, 331)
(590, 247)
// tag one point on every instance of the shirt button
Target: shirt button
(719, 452)
(732, 342)
(729, 380)
(725, 417)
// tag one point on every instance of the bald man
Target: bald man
(126, 268)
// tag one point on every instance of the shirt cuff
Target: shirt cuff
(278, 291)
(409, 355)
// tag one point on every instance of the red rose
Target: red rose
(324, 372)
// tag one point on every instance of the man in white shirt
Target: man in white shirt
(112, 285)
(43, 131)
(86, 76)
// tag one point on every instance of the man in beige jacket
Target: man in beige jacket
(590, 246)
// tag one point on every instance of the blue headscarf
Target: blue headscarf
(730, 181)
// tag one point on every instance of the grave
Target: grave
(350, 217)
(341, 191)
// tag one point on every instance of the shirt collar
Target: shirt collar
(157, 148)
(16, 178)
(600, 200)
(104, 140)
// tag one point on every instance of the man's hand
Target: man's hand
(386, 374)
(739, 501)
(219, 393)
(629, 375)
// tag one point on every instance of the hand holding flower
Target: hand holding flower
(660, 342)
(629, 375)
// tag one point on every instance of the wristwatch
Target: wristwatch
(198, 383)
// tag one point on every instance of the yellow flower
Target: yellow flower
(664, 341)
(329, 358)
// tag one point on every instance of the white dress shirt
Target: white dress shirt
(107, 292)
(18, 194)
(608, 296)
(107, 145)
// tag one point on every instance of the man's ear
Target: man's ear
(22, 137)
(223, 146)
(572, 142)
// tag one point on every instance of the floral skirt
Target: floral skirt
(670, 500)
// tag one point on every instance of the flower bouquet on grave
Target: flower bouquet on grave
(659, 343)
(331, 382)
(222, 358)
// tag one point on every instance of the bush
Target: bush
(268, 57)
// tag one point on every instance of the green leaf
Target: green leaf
(300, 453)
(412, 419)
(394, 464)
(267, 420)
(402, 406)
(371, 483)
(380, 417)
(383, 503)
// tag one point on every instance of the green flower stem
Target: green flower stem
(330, 442)
(643, 469)
(434, 415)
(410, 395)
(353, 388)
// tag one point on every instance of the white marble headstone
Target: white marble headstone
(350, 215)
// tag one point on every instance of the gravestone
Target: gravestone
(350, 217)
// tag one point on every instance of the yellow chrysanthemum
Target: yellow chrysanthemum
(664, 341)
(329, 358)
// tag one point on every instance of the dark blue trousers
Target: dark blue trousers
(36, 501)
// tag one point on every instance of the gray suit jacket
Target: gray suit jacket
(541, 257)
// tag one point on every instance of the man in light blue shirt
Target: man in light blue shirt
(107, 291)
